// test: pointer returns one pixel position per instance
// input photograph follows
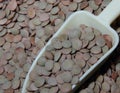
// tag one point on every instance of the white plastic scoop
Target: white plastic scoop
(101, 22)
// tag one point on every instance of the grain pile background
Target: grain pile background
(26, 26)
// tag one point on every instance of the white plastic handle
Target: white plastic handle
(111, 12)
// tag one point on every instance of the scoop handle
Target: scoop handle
(111, 12)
